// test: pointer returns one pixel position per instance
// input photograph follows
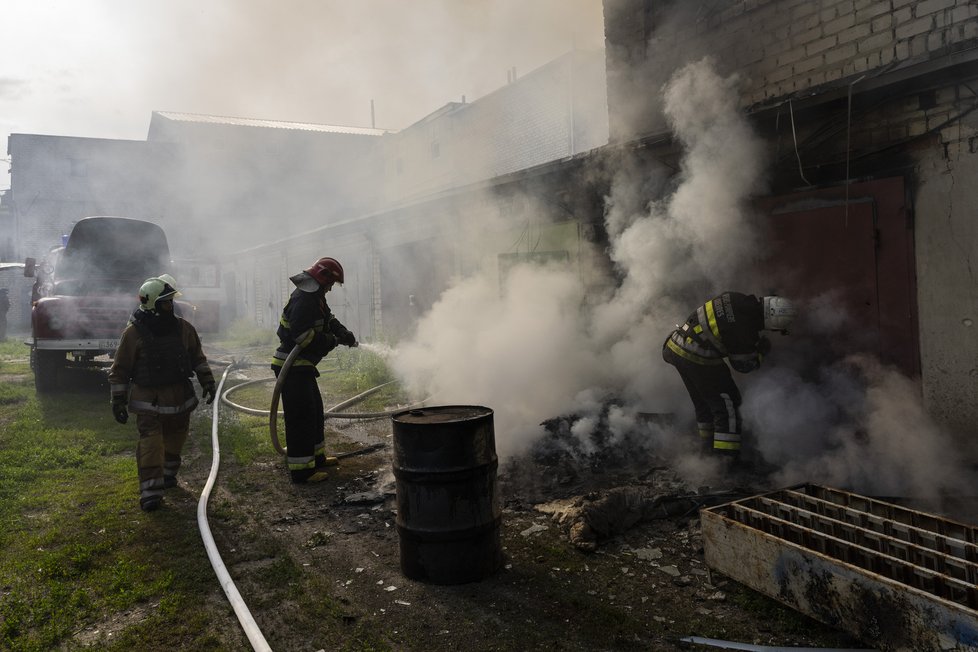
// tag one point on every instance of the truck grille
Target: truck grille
(101, 321)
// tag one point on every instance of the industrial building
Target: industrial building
(865, 108)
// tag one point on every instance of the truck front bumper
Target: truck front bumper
(81, 346)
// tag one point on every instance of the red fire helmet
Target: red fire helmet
(326, 271)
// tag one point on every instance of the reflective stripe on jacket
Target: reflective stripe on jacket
(172, 398)
(305, 322)
(727, 326)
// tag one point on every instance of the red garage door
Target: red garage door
(852, 253)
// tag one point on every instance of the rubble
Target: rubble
(601, 515)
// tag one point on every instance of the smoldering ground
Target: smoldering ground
(530, 347)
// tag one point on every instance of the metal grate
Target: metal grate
(884, 572)
(917, 549)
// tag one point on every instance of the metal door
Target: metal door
(849, 253)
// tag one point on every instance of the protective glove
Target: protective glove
(763, 346)
(348, 339)
(119, 410)
(209, 391)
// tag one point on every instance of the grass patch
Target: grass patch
(13, 349)
(14, 360)
(245, 334)
(81, 561)
(77, 551)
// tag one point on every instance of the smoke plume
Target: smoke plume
(531, 348)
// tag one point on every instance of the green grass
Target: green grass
(76, 548)
(244, 436)
(77, 552)
(245, 334)
(14, 357)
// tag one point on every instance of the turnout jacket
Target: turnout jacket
(728, 326)
(157, 367)
(307, 322)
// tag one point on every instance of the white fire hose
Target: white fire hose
(258, 642)
(331, 413)
(273, 410)
(248, 624)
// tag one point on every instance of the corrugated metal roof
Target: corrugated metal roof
(268, 124)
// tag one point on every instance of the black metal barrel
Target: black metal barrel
(447, 510)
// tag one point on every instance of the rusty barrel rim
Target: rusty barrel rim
(442, 414)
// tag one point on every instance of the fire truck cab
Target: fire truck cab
(89, 291)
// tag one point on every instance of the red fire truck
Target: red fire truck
(85, 295)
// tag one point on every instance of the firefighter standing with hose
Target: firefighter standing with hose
(308, 325)
(726, 327)
(156, 356)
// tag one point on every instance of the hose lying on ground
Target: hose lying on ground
(331, 413)
(248, 623)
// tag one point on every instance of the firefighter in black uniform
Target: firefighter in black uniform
(150, 376)
(308, 323)
(726, 327)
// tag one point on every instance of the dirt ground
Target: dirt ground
(637, 581)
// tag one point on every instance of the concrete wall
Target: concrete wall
(552, 112)
(946, 227)
(251, 183)
(421, 248)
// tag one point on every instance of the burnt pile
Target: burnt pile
(584, 453)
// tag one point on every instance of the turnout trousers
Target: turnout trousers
(304, 423)
(161, 438)
(716, 401)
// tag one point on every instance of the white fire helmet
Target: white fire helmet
(169, 280)
(153, 290)
(778, 313)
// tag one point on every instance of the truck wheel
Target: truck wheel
(46, 367)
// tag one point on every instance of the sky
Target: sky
(99, 68)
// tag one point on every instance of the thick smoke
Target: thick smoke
(524, 353)
(858, 425)
(531, 348)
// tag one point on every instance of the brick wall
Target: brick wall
(780, 47)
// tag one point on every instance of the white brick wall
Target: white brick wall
(830, 39)
(783, 47)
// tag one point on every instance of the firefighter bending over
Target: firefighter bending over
(157, 355)
(726, 327)
(308, 323)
